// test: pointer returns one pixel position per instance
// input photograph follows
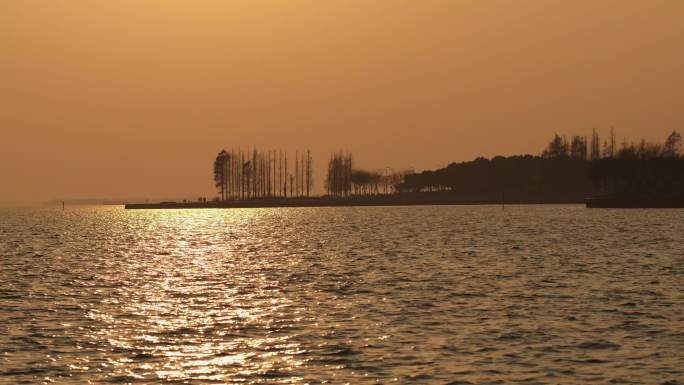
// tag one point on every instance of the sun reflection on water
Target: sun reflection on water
(199, 305)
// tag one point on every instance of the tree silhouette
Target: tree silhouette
(673, 145)
(557, 148)
(221, 173)
(578, 148)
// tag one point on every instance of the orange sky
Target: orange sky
(134, 98)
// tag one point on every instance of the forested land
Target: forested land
(567, 170)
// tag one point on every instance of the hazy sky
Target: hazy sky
(134, 98)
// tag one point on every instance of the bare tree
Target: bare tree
(309, 173)
(595, 145)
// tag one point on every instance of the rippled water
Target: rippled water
(534, 294)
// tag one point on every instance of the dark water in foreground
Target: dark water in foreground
(409, 295)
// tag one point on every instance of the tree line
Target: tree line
(641, 170)
(262, 174)
(343, 180)
(577, 148)
(564, 171)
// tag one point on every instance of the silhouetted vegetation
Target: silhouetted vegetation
(567, 170)
(338, 182)
(641, 174)
(249, 175)
(344, 180)
(524, 178)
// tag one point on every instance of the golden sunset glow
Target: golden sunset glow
(129, 99)
(341, 192)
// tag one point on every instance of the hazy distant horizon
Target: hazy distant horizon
(135, 99)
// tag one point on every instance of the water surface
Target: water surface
(414, 295)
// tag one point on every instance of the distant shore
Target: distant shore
(389, 200)
(643, 201)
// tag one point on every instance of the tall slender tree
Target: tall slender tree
(220, 173)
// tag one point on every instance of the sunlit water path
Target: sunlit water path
(425, 295)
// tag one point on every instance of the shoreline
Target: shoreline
(635, 202)
(327, 202)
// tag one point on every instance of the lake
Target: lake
(406, 295)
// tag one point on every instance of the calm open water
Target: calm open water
(408, 295)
